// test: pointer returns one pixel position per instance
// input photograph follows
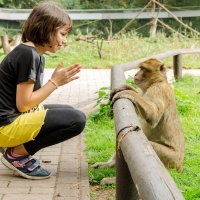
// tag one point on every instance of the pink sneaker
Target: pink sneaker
(27, 166)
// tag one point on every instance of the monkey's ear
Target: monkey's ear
(162, 68)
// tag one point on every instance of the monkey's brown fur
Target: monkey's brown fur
(156, 108)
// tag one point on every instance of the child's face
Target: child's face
(59, 39)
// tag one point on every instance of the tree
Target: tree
(70, 4)
(18, 3)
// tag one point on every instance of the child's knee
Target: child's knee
(80, 121)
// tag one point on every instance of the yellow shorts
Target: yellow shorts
(23, 129)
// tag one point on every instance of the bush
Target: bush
(103, 104)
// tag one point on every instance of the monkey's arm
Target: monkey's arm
(126, 94)
(121, 88)
(150, 107)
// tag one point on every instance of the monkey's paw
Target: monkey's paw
(126, 94)
(121, 88)
(101, 165)
(108, 181)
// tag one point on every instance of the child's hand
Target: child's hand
(63, 75)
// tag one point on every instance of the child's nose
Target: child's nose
(64, 41)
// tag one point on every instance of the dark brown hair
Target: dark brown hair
(43, 22)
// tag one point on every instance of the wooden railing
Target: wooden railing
(139, 172)
(99, 14)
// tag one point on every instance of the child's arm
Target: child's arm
(26, 98)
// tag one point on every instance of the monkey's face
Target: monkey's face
(151, 71)
(141, 76)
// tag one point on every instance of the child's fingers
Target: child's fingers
(61, 64)
(73, 67)
(72, 78)
(73, 70)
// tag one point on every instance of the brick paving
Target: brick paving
(66, 160)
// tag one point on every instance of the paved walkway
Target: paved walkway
(66, 160)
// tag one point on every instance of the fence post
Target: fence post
(125, 187)
(177, 66)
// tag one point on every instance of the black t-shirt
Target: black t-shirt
(20, 65)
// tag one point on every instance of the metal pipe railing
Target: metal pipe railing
(139, 171)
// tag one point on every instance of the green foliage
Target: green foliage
(103, 26)
(19, 3)
(107, 4)
(70, 4)
(91, 4)
(103, 104)
(103, 4)
(130, 81)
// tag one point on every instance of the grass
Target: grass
(100, 140)
(189, 180)
(100, 146)
(129, 47)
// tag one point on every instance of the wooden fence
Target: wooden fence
(99, 14)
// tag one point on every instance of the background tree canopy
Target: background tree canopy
(104, 27)
(18, 3)
(102, 4)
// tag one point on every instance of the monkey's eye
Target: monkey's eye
(145, 69)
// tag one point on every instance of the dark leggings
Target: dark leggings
(61, 123)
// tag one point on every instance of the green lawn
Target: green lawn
(189, 180)
(128, 48)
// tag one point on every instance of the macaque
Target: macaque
(157, 112)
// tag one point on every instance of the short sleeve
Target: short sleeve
(27, 65)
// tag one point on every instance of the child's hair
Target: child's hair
(43, 22)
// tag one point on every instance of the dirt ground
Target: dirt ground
(99, 193)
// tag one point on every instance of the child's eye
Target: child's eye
(63, 33)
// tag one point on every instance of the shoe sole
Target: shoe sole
(10, 166)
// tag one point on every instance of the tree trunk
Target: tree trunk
(153, 28)
(5, 44)
(154, 21)
(16, 41)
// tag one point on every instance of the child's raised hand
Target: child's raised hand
(63, 75)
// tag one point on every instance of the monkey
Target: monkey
(157, 113)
